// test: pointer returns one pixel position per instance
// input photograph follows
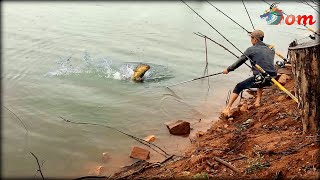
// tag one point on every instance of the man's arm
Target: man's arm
(237, 64)
(242, 59)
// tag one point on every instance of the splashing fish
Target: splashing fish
(139, 72)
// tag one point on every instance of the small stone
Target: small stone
(230, 119)
(281, 98)
(97, 171)
(288, 65)
(167, 123)
(235, 112)
(284, 71)
(248, 121)
(244, 108)
(226, 126)
(179, 127)
(240, 104)
(200, 133)
(185, 173)
(150, 138)
(101, 170)
(105, 157)
(139, 153)
(283, 79)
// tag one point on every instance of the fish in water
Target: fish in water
(139, 72)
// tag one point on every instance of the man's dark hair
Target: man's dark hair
(261, 39)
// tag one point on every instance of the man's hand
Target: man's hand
(225, 71)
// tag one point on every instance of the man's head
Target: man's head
(256, 36)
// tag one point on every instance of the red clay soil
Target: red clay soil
(261, 143)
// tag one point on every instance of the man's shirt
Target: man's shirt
(260, 54)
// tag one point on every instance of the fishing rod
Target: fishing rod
(270, 47)
(310, 36)
(248, 14)
(256, 66)
(194, 79)
(305, 2)
(279, 63)
(204, 36)
(300, 24)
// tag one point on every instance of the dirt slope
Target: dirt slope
(264, 143)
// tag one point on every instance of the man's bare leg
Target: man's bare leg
(259, 95)
(226, 111)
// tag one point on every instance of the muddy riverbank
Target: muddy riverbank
(265, 142)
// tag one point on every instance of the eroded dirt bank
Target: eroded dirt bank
(264, 143)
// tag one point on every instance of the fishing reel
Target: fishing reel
(312, 37)
(281, 64)
(260, 79)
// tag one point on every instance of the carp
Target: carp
(139, 72)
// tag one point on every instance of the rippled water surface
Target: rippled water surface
(75, 59)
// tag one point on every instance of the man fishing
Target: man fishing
(261, 55)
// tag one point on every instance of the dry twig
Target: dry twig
(227, 164)
(142, 141)
(39, 170)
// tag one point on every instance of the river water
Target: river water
(75, 59)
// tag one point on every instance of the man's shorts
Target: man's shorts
(250, 83)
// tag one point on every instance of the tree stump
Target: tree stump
(306, 66)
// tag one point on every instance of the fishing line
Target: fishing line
(228, 97)
(310, 6)
(204, 36)
(201, 35)
(248, 14)
(301, 2)
(228, 17)
(278, 54)
(206, 70)
(218, 32)
(311, 37)
(142, 141)
(254, 65)
(206, 50)
(215, 29)
(194, 79)
(24, 125)
(315, 3)
(178, 99)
